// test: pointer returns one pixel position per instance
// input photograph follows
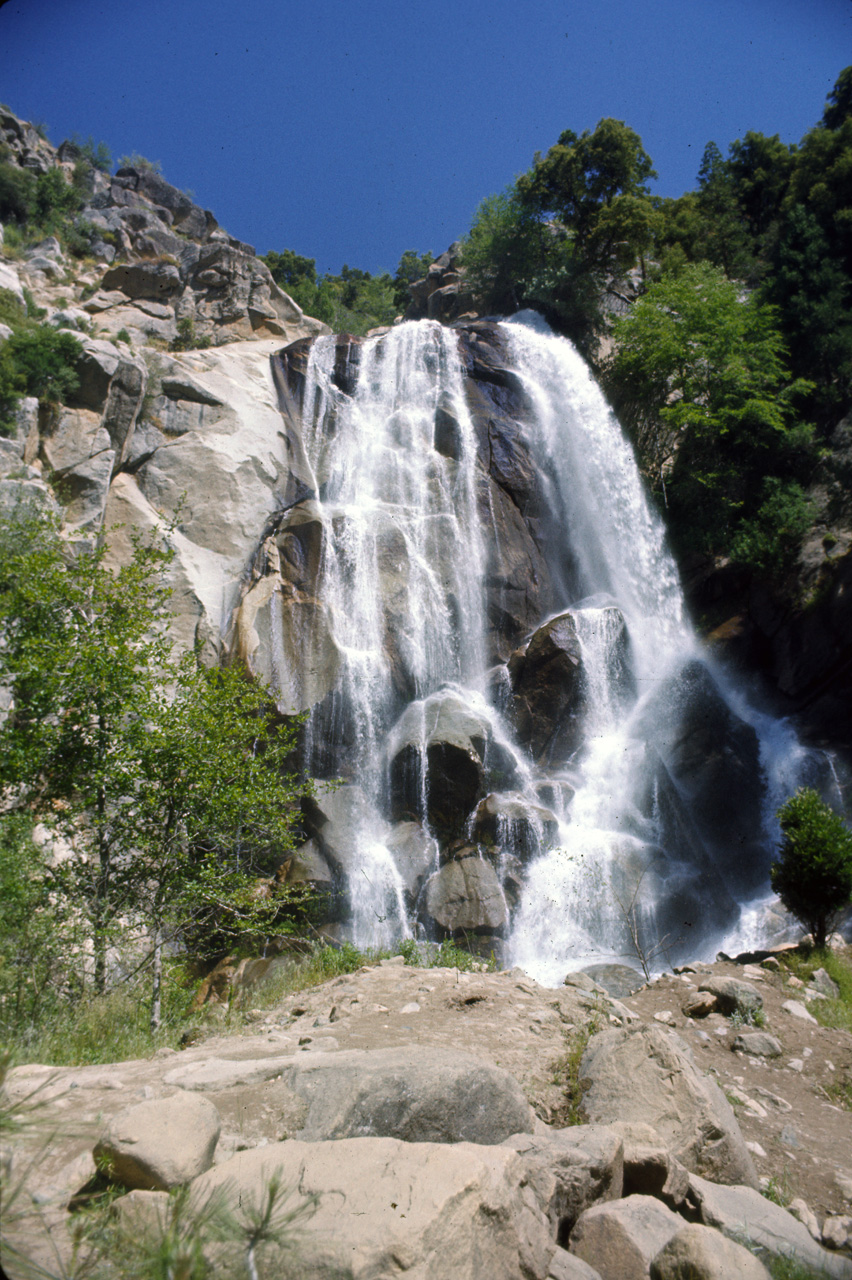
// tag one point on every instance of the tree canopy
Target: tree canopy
(171, 784)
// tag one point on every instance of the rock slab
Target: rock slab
(416, 1095)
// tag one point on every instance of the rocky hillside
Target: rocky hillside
(472, 1125)
(176, 320)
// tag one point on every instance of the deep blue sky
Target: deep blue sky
(351, 131)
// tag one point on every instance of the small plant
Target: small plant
(751, 1018)
(187, 339)
(141, 163)
(123, 336)
(779, 1190)
(567, 1068)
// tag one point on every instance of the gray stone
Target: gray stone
(308, 866)
(620, 1238)
(415, 855)
(146, 279)
(806, 1216)
(466, 895)
(545, 679)
(825, 984)
(733, 996)
(797, 1010)
(699, 1253)
(570, 1170)
(647, 1075)
(509, 820)
(432, 1211)
(566, 1266)
(757, 1044)
(453, 738)
(698, 1004)
(742, 1213)
(836, 1231)
(160, 1144)
(618, 980)
(417, 1095)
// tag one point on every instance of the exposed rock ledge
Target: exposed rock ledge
(400, 1097)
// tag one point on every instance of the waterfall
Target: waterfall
(637, 824)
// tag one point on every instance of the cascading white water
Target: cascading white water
(403, 554)
(403, 578)
(592, 894)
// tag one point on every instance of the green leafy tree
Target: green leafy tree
(813, 876)
(36, 935)
(168, 781)
(579, 217)
(412, 266)
(699, 375)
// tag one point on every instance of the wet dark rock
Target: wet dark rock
(512, 823)
(714, 759)
(546, 689)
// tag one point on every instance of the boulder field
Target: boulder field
(449, 1124)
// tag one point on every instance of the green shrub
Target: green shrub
(40, 362)
(12, 312)
(17, 193)
(54, 197)
(813, 876)
(136, 161)
(187, 339)
(770, 540)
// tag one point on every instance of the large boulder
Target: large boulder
(647, 1075)
(570, 1170)
(465, 896)
(714, 758)
(437, 749)
(156, 278)
(546, 688)
(510, 821)
(733, 996)
(387, 1208)
(417, 1095)
(698, 1253)
(160, 1144)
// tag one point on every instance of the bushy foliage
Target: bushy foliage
(411, 266)
(352, 302)
(813, 875)
(555, 238)
(37, 360)
(169, 782)
(700, 378)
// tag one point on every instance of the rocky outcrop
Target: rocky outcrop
(422, 1142)
(433, 1095)
(546, 687)
(647, 1075)
(441, 294)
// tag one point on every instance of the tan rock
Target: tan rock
(699, 1253)
(160, 1144)
(621, 1238)
(430, 1211)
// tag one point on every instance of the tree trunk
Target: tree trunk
(157, 984)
